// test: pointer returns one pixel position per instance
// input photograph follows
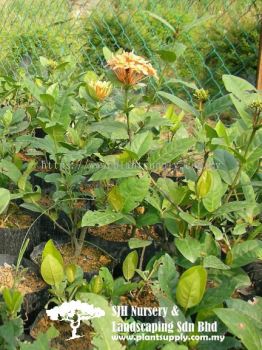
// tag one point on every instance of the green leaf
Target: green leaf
(242, 327)
(141, 144)
(168, 275)
(10, 170)
(191, 287)
(241, 107)
(110, 129)
(5, 197)
(107, 53)
(50, 249)
(204, 183)
(135, 243)
(52, 271)
(247, 188)
(100, 218)
(231, 207)
(47, 100)
(175, 192)
(70, 271)
(108, 279)
(237, 85)
(244, 253)
(108, 174)
(213, 262)
(133, 191)
(162, 20)
(115, 199)
(169, 152)
(212, 200)
(222, 131)
(10, 332)
(217, 106)
(167, 56)
(191, 220)
(130, 264)
(13, 300)
(226, 165)
(251, 309)
(217, 232)
(103, 332)
(217, 296)
(22, 182)
(189, 247)
(180, 103)
(179, 81)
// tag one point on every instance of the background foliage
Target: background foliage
(224, 39)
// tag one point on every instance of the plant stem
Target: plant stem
(142, 258)
(80, 241)
(126, 110)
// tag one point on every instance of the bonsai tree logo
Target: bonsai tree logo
(74, 312)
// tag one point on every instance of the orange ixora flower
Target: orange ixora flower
(130, 68)
(99, 89)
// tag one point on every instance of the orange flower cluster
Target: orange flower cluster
(130, 68)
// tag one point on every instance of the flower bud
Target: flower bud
(201, 95)
(99, 89)
(256, 105)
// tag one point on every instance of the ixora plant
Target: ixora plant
(65, 280)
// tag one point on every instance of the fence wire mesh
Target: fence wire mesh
(210, 37)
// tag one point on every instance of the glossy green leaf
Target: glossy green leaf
(135, 243)
(191, 287)
(52, 271)
(50, 249)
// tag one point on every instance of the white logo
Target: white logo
(74, 312)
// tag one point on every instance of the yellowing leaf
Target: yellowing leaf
(204, 183)
(115, 199)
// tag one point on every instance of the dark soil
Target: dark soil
(121, 233)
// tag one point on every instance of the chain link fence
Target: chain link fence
(209, 37)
